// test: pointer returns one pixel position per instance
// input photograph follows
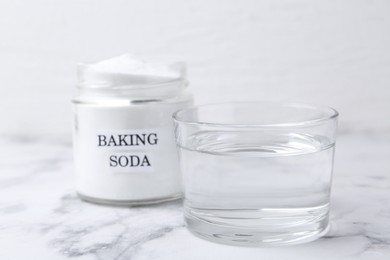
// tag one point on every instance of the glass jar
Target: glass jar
(124, 148)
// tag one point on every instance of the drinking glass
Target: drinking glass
(256, 173)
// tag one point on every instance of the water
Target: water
(260, 188)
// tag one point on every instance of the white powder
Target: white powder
(129, 70)
(124, 146)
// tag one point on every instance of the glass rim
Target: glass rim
(333, 114)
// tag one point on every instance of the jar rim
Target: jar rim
(107, 86)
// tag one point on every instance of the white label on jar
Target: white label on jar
(128, 150)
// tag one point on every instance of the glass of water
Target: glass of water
(257, 174)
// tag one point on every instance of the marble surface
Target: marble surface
(42, 218)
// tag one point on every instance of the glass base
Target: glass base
(264, 236)
(127, 202)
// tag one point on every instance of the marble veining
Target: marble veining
(41, 217)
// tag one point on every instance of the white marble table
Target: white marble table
(42, 218)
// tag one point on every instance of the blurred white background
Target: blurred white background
(329, 52)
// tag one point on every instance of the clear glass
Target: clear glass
(256, 174)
